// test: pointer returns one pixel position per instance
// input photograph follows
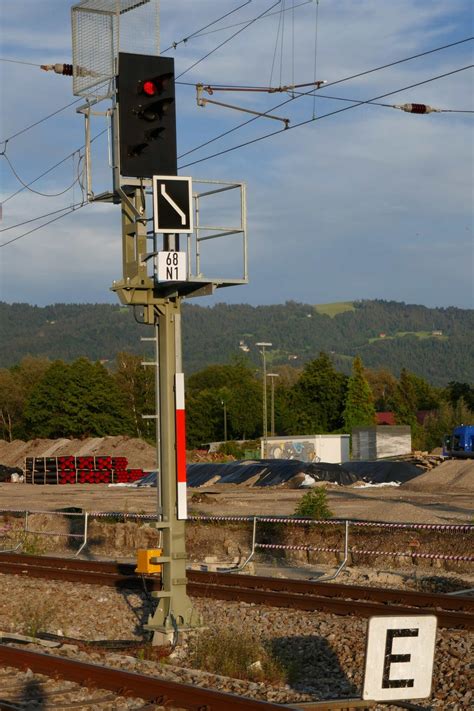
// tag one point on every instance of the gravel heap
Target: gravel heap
(139, 453)
(326, 651)
(452, 475)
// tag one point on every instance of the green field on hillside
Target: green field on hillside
(422, 335)
(338, 307)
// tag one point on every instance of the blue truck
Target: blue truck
(460, 443)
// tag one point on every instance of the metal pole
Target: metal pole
(225, 420)
(272, 404)
(265, 425)
(175, 609)
(157, 421)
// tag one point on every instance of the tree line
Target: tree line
(53, 399)
(385, 334)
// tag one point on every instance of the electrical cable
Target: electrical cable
(359, 74)
(326, 86)
(316, 24)
(251, 22)
(19, 61)
(45, 118)
(317, 118)
(239, 24)
(292, 41)
(375, 103)
(101, 133)
(197, 32)
(276, 46)
(72, 208)
(37, 192)
(282, 41)
(34, 219)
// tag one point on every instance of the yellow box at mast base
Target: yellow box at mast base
(144, 556)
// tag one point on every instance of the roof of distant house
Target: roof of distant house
(385, 418)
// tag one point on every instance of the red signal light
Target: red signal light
(149, 88)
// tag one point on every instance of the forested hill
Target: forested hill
(436, 344)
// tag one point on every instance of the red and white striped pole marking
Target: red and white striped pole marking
(182, 506)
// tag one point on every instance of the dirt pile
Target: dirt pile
(140, 455)
(449, 477)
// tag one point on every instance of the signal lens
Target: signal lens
(149, 88)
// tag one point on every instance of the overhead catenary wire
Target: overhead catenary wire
(327, 86)
(229, 39)
(282, 41)
(316, 24)
(236, 24)
(197, 33)
(36, 123)
(378, 103)
(53, 167)
(318, 118)
(19, 61)
(35, 219)
(26, 186)
(276, 46)
(72, 208)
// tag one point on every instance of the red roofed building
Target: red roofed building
(385, 418)
(388, 418)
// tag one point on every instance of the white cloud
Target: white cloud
(369, 203)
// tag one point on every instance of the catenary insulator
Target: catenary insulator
(416, 108)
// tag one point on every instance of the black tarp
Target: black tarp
(269, 472)
(383, 472)
(335, 473)
(6, 472)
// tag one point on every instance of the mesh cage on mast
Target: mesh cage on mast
(102, 28)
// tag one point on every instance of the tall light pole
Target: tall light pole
(225, 419)
(272, 403)
(265, 426)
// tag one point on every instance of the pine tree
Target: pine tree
(316, 401)
(405, 400)
(359, 410)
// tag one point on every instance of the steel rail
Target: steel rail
(302, 595)
(355, 592)
(152, 689)
(125, 574)
(310, 603)
(124, 683)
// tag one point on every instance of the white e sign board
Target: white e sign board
(399, 658)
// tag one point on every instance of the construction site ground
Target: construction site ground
(388, 503)
(444, 494)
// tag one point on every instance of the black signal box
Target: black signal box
(147, 115)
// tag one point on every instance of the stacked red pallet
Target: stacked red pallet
(93, 476)
(95, 470)
(129, 476)
(66, 470)
(121, 475)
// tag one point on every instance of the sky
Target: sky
(369, 202)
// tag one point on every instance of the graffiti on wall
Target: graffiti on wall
(293, 449)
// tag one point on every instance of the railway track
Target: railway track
(36, 680)
(452, 612)
(107, 688)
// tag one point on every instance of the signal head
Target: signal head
(147, 123)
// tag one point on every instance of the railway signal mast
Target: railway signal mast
(158, 272)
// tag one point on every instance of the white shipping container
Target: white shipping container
(332, 448)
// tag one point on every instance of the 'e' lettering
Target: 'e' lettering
(390, 659)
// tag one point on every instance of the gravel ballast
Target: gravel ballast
(326, 651)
